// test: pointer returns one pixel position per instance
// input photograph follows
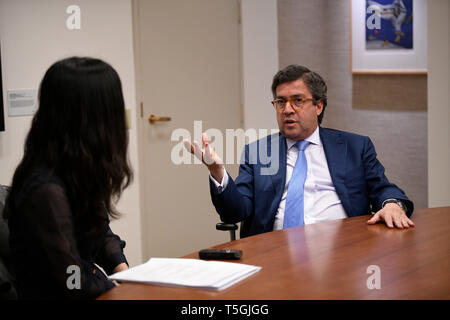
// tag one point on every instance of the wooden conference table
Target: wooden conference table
(330, 260)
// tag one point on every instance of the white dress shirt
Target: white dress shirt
(321, 201)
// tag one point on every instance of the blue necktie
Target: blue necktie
(293, 213)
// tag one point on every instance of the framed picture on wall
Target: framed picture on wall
(2, 114)
(388, 36)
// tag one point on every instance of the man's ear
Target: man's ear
(319, 107)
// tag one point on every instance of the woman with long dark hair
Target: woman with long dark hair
(64, 190)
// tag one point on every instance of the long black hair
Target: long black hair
(79, 133)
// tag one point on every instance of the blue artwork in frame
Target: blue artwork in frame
(389, 24)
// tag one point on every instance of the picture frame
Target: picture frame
(392, 59)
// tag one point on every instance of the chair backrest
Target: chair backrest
(7, 276)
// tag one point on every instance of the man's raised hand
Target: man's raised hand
(207, 155)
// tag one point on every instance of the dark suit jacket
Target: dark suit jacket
(355, 171)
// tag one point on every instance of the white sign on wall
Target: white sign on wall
(21, 102)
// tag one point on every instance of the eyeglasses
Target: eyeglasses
(296, 103)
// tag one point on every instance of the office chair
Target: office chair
(232, 227)
(7, 275)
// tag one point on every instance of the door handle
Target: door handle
(154, 118)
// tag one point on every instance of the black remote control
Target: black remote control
(220, 254)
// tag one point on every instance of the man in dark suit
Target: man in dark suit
(320, 173)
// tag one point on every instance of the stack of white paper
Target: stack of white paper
(195, 273)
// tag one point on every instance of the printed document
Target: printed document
(194, 273)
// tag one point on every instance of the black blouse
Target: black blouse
(53, 259)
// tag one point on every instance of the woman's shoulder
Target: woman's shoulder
(40, 178)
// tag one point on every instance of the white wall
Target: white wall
(438, 103)
(259, 61)
(34, 35)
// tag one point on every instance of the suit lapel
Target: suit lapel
(335, 148)
(279, 179)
